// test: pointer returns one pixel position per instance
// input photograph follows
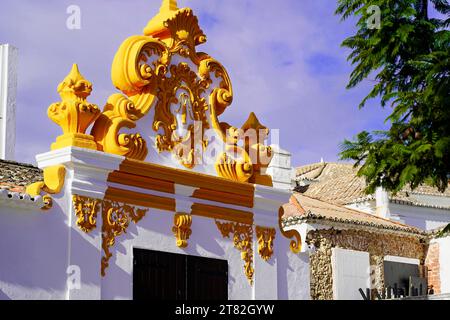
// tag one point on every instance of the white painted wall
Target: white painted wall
(351, 271)
(33, 250)
(444, 263)
(8, 87)
(421, 217)
(37, 247)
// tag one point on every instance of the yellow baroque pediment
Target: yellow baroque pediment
(183, 92)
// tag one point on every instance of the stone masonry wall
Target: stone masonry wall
(378, 245)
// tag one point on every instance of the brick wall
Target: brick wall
(432, 266)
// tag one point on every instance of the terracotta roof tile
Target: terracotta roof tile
(338, 183)
(313, 210)
(16, 176)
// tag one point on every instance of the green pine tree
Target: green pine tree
(408, 55)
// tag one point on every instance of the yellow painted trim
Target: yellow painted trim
(219, 213)
(148, 183)
(185, 177)
(162, 203)
(224, 197)
(140, 199)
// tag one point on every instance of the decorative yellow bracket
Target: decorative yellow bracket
(53, 184)
(295, 245)
(86, 210)
(116, 219)
(182, 229)
(243, 241)
(265, 238)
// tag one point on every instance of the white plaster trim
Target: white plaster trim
(86, 170)
(183, 206)
(266, 203)
(402, 260)
(81, 156)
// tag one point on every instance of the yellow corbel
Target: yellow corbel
(182, 229)
(53, 183)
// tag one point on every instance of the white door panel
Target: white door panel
(351, 271)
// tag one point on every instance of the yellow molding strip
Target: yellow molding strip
(213, 212)
(224, 197)
(194, 179)
(140, 199)
(134, 180)
(168, 204)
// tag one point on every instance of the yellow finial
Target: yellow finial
(253, 123)
(74, 114)
(74, 84)
(168, 5)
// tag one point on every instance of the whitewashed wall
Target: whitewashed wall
(444, 263)
(36, 254)
(33, 251)
(421, 217)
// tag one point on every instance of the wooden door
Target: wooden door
(167, 276)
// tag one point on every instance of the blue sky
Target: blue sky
(283, 56)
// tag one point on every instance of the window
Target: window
(169, 276)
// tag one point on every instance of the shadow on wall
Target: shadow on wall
(34, 253)
(3, 296)
(293, 272)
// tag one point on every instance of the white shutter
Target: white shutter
(351, 271)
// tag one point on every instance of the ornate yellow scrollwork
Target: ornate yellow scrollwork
(295, 245)
(265, 238)
(74, 114)
(133, 74)
(142, 70)
(116, 219)
(186, 91)
(53, 183)
(243, 241)
(182, 229)
(86, 210)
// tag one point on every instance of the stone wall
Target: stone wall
(378, 245)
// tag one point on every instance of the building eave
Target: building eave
(20, 200)
(312, 218)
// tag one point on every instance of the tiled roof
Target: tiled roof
(302, 208)
(338, 183)
(16, 176)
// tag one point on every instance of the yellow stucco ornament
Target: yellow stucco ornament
(74, 114)
(161, 71)
(53, 183)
